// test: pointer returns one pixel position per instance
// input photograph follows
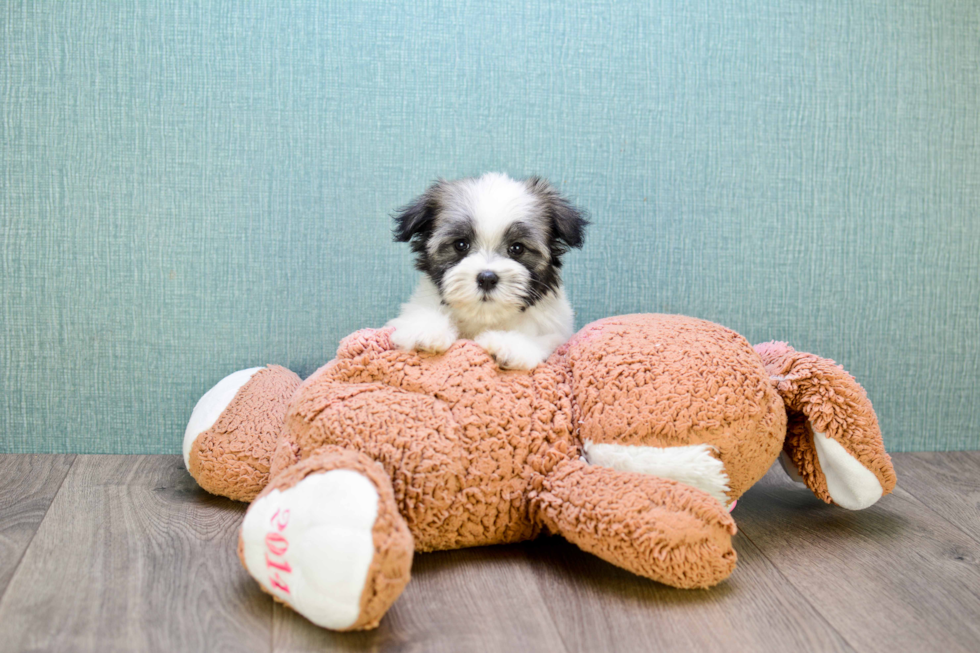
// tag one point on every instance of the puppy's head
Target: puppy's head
(492, 245)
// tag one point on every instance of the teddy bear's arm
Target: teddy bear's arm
(833, 440)
(654, 527)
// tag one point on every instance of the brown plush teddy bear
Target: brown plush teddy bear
(632, 441)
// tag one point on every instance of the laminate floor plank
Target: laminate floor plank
(481, 600)
(947, 482)
(602, 608)
(133, 556)
(893, 577)
(129, 554)
(28, 484)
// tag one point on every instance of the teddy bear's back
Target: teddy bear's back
(460, 438)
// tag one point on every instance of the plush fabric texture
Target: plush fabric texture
(465, 454)
(674, 380)
(458, 437)
(233, 461)
(654, 527)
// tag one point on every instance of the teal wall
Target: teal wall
(190, 188)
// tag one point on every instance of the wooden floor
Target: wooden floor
(121, 553)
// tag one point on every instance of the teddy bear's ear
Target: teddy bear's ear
(833, 442)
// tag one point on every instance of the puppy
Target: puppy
(490, 249)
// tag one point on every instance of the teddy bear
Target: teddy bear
(633, 441)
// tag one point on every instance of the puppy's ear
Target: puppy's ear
(567, 222)
(417, 217)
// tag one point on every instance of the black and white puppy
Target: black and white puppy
(490, 248)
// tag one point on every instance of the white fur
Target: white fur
(518, 340)
(693, 465)
(851, 484)
(466, 300)
(211, 405)
(423, 323)
(517, 337)
(494, 201)
(327, 540)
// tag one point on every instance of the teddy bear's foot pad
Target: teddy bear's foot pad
(233, 433)
(311, 545)
(211, 405)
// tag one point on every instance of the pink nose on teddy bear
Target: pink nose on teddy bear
(632, 441)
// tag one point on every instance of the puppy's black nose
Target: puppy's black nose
(486, 280)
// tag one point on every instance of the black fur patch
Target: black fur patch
(437, 261)
(567, 230)
(567, 222)
(542, 266)
(416, 218)
(415, 222)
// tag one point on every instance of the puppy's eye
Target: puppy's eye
(461, 245)
(516, 249)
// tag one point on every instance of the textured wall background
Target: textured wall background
(192, 188)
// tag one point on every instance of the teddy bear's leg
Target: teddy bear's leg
(233, 430)
(413, 436)
(654, 527)
(325, 537)
(833, 442)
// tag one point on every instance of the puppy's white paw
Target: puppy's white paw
(511, 350)
(435, 334)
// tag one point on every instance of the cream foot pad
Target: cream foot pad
(311, 545)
